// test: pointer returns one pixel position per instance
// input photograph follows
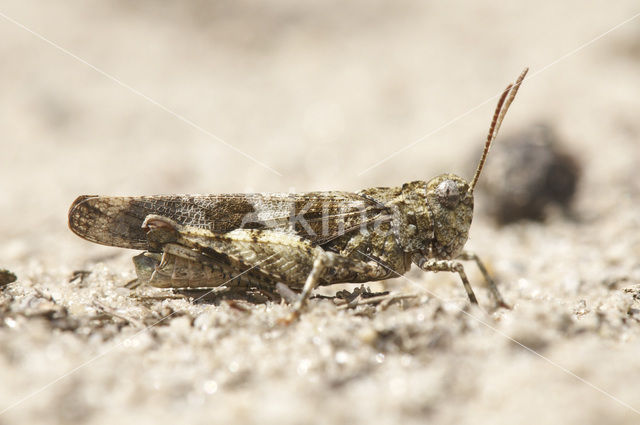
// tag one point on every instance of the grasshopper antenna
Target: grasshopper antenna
(496, 122)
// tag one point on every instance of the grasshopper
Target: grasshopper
(253, 242)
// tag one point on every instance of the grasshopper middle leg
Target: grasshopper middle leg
(328, 266)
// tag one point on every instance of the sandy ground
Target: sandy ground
(230, 96)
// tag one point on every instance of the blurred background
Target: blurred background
(156, 97)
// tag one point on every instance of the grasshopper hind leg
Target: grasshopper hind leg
(145, 265)
(190, 278)
(178, 268)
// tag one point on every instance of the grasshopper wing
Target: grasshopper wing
(317, 216)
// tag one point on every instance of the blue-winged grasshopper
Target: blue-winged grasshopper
(252, 242)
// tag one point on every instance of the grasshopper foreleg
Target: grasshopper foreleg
(433, 265)
(491, 284)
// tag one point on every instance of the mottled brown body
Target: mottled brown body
(254, 241)
(388, 225)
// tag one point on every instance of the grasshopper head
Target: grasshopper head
(450, 205)
(435, 216)
(450, 198)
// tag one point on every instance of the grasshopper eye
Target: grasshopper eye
(448, 194)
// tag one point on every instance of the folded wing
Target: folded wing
(317, 216)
